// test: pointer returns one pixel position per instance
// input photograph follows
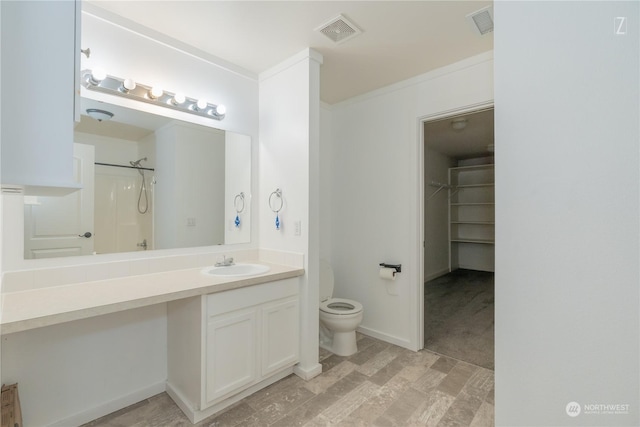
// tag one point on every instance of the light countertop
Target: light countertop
(36, 308)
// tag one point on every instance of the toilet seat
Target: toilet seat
(340, 306)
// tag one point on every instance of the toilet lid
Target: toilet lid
(326, 280)
(340, 306)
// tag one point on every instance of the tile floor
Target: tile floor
(381, 385)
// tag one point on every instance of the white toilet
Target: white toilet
(339, 317)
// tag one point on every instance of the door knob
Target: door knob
(87, 235)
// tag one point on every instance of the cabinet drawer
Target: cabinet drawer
(237, 299)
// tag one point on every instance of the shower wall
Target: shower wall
(118, 225)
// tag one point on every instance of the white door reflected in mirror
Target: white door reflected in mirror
(57, 226)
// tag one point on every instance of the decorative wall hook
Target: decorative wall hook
(238, 202)
(273, 205)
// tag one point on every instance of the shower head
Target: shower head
(136, 164)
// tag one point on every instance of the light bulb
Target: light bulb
(127, 85)
(201, 104)
(178, 99)
(97, 76)
(155, 92)
(221, 110)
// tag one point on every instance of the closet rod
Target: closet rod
(441, 187)
(124, 166)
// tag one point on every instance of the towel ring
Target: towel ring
(277, 193)
(239, 199)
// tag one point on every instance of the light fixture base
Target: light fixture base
(140, 92)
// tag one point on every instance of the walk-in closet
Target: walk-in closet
(459, 237)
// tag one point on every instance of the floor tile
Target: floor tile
(381, 385)
(457, 378)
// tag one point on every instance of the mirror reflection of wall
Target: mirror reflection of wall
(149, 183)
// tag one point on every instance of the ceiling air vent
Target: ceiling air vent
(481, 20)
(339, 29)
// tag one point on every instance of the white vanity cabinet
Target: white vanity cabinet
(39, 58)
(226, 345)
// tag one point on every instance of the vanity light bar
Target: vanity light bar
(127, 88)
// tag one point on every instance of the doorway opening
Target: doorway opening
(459, 230)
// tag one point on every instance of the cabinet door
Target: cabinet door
(230, 353)
(38, 92)
(280, 341)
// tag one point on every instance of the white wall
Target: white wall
(289, 159)
(567, 190)
(121, 53)
(326, 206)
(377, 187)
(436, 218)
(237, 181)
(74, 372)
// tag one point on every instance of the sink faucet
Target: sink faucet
(226, 262)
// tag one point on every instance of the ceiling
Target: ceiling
(399, 39)
(127, 124)
(472, 141)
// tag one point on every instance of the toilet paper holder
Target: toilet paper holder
(397, 267)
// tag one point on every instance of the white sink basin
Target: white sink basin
(236, 270)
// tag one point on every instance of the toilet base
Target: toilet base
(343, 344)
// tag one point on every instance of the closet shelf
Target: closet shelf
(474, 222)
(473, 204)
(482, 241)
(471, 217)
(489, 184)
(470, 168)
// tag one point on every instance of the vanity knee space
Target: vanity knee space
(226, 345)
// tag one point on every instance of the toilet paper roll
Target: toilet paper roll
(388, 273)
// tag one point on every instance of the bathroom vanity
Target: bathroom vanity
(227, 336)
(224, 346)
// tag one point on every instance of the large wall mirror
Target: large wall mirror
(149, 182)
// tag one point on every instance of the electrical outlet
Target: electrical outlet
(297, 227)
(191, 222)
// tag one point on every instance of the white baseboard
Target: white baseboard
(195, 416)
(182, 402)
(436, 275)
(308, 373)
(386, 337)
(111, 406)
